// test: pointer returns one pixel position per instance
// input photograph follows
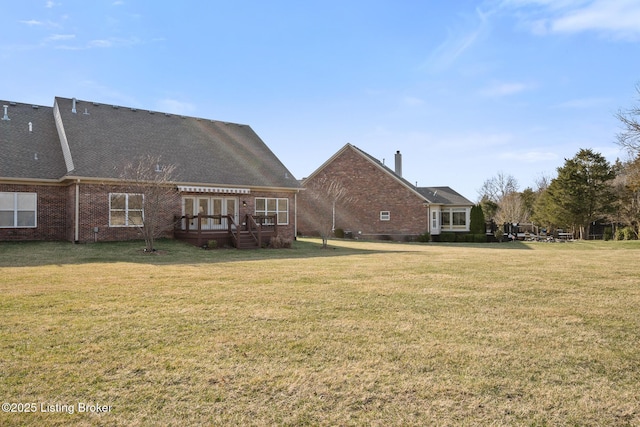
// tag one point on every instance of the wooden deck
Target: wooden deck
(253, 233)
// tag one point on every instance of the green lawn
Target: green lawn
(357, 334)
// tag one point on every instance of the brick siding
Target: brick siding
(51, 217)
(56, 212)
(94, 212)
(370, 190)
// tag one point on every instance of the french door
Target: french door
(210, 206)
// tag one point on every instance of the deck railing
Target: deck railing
(255, 225)
(201, 227)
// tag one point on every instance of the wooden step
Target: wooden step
(246, 241)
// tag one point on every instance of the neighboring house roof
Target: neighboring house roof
(98, 140)
(29, 153)
(443, 195)
(431, 195)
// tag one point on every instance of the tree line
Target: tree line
(586, 191)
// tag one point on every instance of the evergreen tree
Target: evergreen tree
(581, 193)
(477, 225)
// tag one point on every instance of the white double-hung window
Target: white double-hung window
(18, 210)
(125, 210)
(270, 206)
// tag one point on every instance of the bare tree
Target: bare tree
(497, 187)
(629, 138)
(626, 187)
(512, 210)
(542, 183)
(327, 194)
(150, 182)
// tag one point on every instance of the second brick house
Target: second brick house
(376, 202)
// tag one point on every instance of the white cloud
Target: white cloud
(100, 43)
(499, 89)
(32, 22)
(57, 37)
(617, 19)
(457, 43)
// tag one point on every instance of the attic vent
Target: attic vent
(6, 116)
(151, 112)
(167, 114)
(35, 107)
(133, 109)
(13, 104)
(115, 106)
(30, 127)
(35, 156)
(158, 168)
(86, 112)
(95, 104)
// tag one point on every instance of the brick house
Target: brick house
(61, 179)
(380, 203)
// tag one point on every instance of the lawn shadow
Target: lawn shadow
(173, 252)
(169, 252)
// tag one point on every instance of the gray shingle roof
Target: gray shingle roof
(203, 151)
(443, 195)
(29, 155)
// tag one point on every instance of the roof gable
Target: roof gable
(29, 143)
(433, 195)
(102, 138)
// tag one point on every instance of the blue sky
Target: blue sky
(464, 89)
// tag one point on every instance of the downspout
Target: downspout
(295, 216)
(76, 236)
(428, 218)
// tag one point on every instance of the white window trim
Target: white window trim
(385, 215)
(277, 211)
(15, 210)
(126, 210)
(451, 226)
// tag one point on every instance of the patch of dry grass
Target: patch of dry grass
(360, 334)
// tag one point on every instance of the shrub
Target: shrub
(607, 234)
(625, 233)
(424, 237)
(339, 233)
(280, 242)
(211, 244)
(466, 238)
(480, 238)
(448, 237)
